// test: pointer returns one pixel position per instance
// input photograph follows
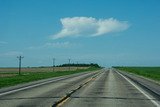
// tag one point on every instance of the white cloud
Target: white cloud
(89, 26)
(3, 42)
(57, 45)
(54, 45)
(12, 53)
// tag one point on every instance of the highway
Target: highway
(104, 88)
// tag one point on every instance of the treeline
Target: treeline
(80, 65)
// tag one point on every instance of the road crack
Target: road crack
(68, 95)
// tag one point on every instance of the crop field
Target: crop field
(149, 72)
(10, 76)
(7, 72)
(39, 69)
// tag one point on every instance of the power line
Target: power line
(20, 58)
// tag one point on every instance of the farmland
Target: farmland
(39, 69)
(149, 72)
(10, 77)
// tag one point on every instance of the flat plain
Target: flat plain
(10, 76)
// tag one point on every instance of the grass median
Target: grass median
(33, 76)
(149, 72)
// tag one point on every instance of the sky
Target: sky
(107, 32)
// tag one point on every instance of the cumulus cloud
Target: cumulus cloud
(89, 26)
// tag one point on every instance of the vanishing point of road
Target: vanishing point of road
(103, 88)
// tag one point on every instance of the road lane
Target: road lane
(149, 84)
(44, 95)
(110, 89)
(147, 95)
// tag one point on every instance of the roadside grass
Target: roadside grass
(149, 72)
(33, 76)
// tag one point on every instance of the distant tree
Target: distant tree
(80, 65)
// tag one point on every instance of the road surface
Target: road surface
(105, 88)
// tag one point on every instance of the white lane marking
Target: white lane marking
(27, 87)
(154, 102)
(32, 86)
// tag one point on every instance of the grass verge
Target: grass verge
(33, 76)
(149, 72)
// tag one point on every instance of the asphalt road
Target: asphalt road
(106, 88)
(43, 94)
(111, 89)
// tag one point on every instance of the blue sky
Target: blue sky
(108, 32)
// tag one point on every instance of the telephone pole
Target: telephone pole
(69, 60)
(20, 58)
(53, 64)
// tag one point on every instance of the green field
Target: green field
(33, 76)
(149, 72)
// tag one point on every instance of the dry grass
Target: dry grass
(8, 72)
(39, 69)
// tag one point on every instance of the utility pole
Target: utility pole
(53, 64)
(69, 60)
(20, 58)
